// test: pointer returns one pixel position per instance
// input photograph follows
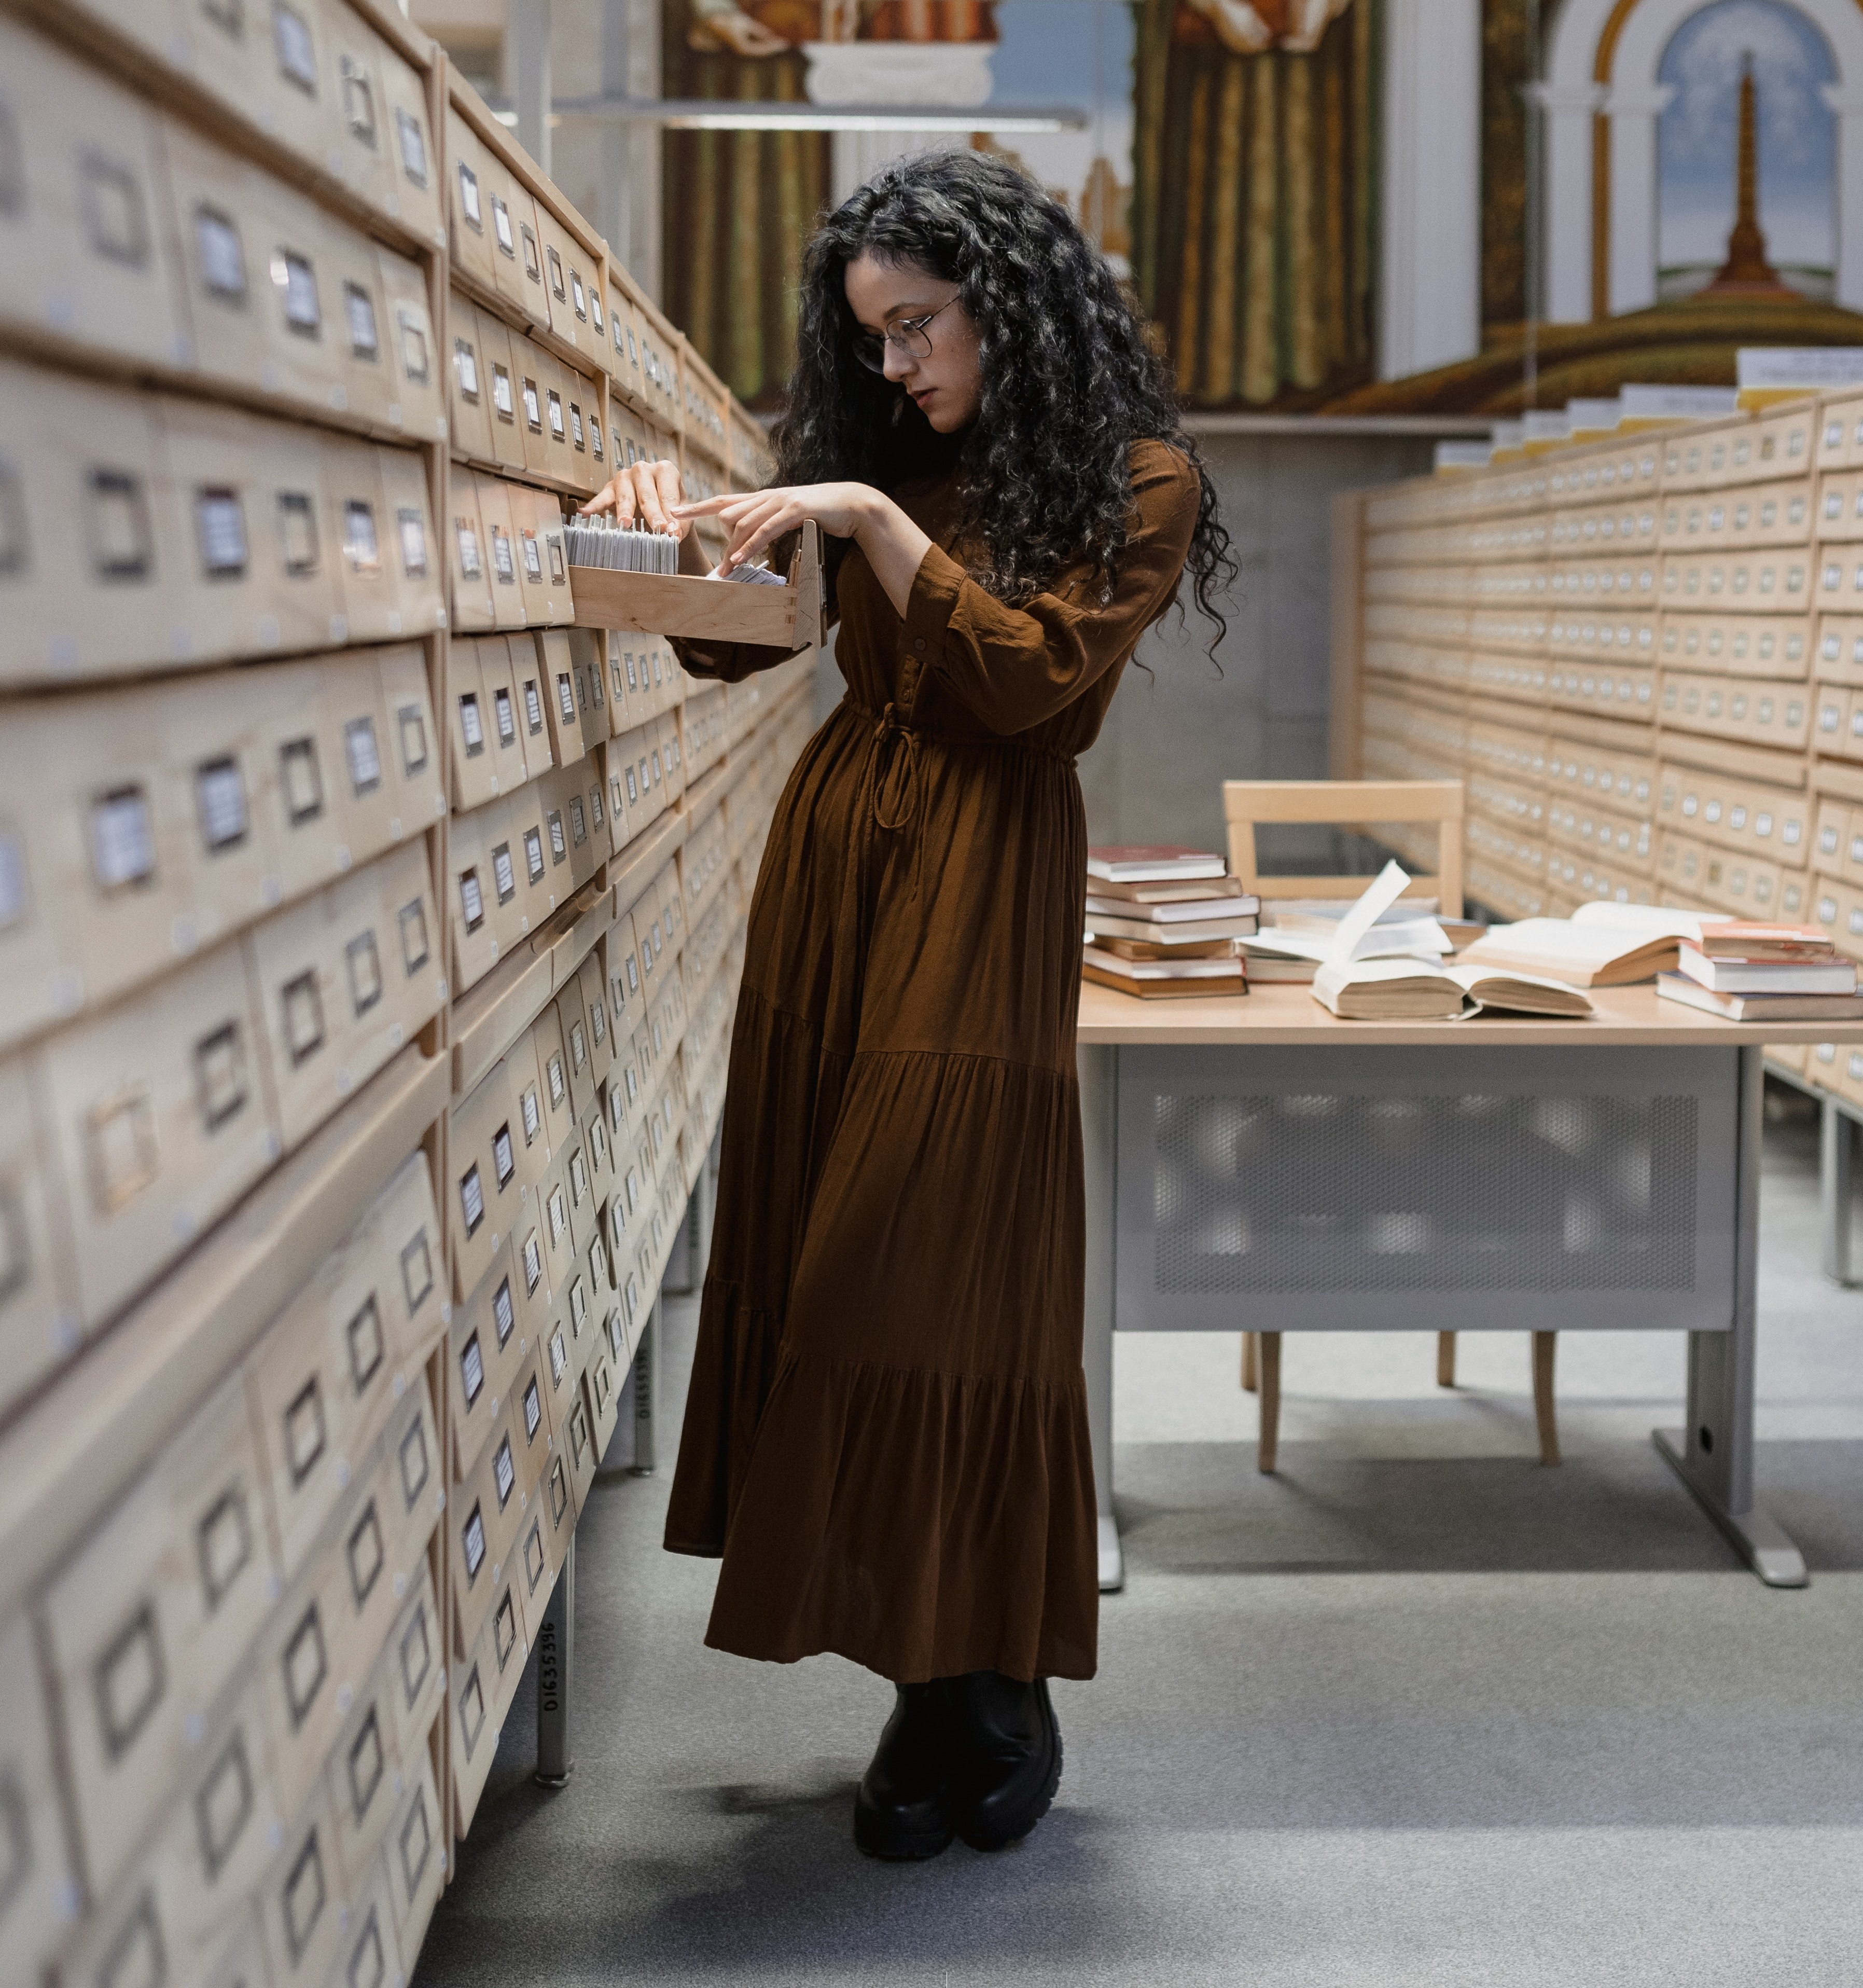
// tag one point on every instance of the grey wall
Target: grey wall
(1172, 738)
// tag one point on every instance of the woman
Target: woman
(886, 1435)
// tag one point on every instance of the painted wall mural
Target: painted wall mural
(1232, 163)
(1792, 68)
(1255, 204)
(739, 205)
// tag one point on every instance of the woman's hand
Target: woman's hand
(647, 491)
(756, 518)
(893, 544)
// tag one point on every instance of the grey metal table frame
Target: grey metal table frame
(1837, 1117)
(1712, 1456)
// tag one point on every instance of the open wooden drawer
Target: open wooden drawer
(708, 610)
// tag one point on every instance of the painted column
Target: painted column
(1566, 114)
(1633, 113)
(1430, 305)
(1848, 195)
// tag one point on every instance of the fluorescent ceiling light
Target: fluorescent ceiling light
(692, 114)
(807, 117)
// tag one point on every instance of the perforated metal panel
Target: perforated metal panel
(1476, 1187)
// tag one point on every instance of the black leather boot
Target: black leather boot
(901, 1811)
(1006, 1757)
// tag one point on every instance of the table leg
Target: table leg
(1099, 1071)
(1713, 1456)
(1833, 1188)
(555, 1657)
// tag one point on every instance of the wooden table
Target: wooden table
(1252, 1163)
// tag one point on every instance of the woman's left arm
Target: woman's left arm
(1015, 667)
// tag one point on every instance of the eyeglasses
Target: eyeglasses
(905, 335)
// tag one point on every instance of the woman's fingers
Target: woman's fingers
(761, 528)
(744, 519)
(604, 501)
(617, 500)
(718, 506)
(646, 494)
(666, 485)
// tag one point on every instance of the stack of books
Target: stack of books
(1749, 971)
(1163, 922)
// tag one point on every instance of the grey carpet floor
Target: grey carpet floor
(1415, 1711)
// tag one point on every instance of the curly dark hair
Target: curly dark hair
(1070, 381)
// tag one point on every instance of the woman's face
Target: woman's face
(945, 383)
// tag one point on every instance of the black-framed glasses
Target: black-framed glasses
(905, 334)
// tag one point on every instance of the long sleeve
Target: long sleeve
(1014, 667)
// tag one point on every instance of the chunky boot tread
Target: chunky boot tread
(873, 1839)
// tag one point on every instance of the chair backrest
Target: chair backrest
(1246, 804)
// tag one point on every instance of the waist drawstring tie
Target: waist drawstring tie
(902, 814)
(874, 816)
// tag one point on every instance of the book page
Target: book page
(1645, 921)
(1493, 988)
(1384, 890)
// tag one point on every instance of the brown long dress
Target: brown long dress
(886, 1435)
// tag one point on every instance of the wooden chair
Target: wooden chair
(1360, 805)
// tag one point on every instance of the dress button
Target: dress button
(919, 646)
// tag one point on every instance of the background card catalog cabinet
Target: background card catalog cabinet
(343, 982)
(208, 1849)
(501, 553)
(38, 1292)
(261, 574)
(41, 1893)
(413, 360)
(300, 253)
(475, 757)
(96, 558)
(483, 1516)
(163, 1118)
(413, 194)
(543, 571)
(469, 563)
(86, 254)
(356, 148)
(468, 215)
(488, 1346)
(410, 752)
(486, 1140)
(469, 382)
(300, 1901)
(499, 391)
(151, 1619)
(507, 725)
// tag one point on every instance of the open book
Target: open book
(1421, 988)
(1394, 990)
(1587, 952)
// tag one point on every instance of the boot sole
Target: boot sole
(873, 1841)
(1002, 1835)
